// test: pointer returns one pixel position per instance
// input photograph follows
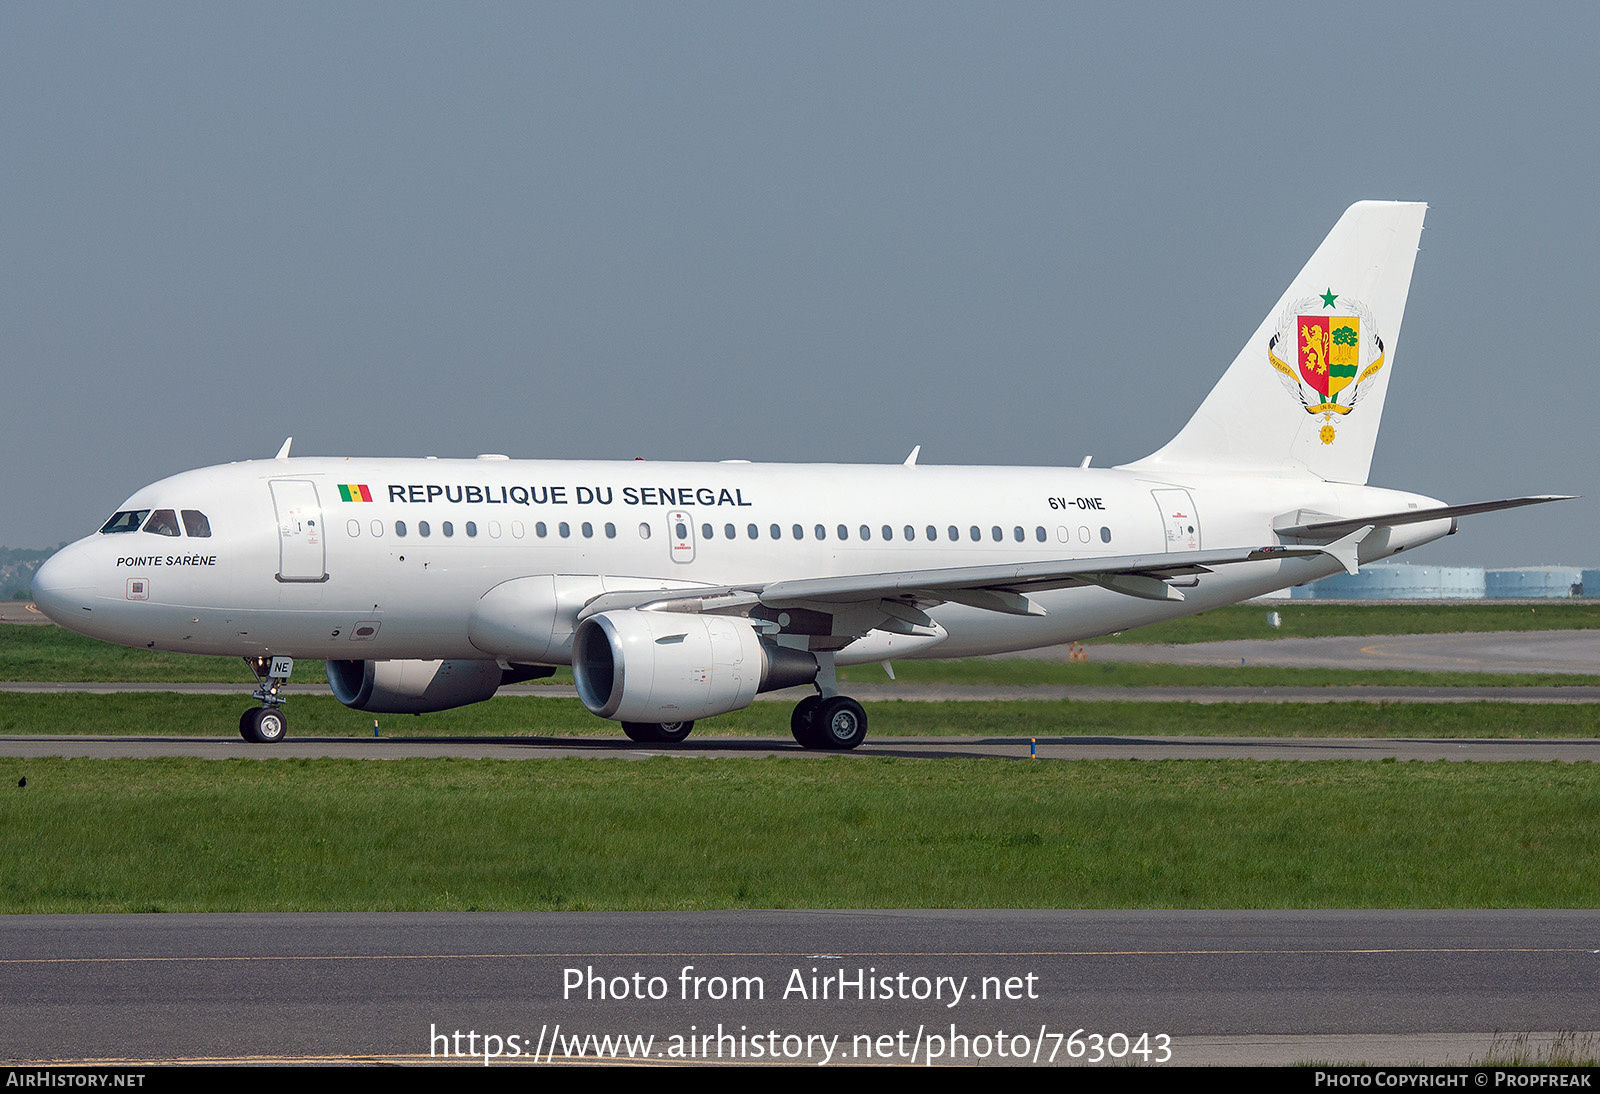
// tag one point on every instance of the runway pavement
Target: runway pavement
(1204, 987)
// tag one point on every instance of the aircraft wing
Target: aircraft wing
(1142, 576)
(1001, 588)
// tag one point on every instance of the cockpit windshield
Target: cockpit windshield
(126, 521)
(163, 522)
(160, 522)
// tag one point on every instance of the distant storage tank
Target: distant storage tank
(1550, 582)
(1399, 581)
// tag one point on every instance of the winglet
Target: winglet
(283, 453)
(911, 460)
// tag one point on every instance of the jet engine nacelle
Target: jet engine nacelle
(644, 666)
(413, 687)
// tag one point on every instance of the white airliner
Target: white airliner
(679, 591)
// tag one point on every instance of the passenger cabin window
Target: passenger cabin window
(126, 521)
(400, 528)
(163, 522)
(195, 524)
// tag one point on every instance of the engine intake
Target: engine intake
(642, 666)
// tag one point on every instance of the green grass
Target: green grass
(1310, 619)
(1024, 672)
(285, 835)
(1567, 1048)
(55, 653)
(49, 653)
(170, 715)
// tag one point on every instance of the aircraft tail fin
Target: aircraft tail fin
(1306, 393)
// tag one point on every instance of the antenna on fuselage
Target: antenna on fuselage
(911, 460)
(283, 453)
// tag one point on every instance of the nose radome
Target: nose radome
(64, 585)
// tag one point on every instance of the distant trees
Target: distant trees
(17, 567)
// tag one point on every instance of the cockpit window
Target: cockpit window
(126, 521)
(163, 522)
(195, 524)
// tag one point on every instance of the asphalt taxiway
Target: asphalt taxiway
(979, 987)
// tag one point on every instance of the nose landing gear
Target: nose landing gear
(266, 725)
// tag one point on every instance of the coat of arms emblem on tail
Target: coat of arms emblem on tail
(1337, 350)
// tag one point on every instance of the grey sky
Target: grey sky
(1009, 233)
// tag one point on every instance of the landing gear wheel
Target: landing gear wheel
(803, 720)
(643, 732)
(657, 732)
(263, 725)
(839, 724)
(673, 732)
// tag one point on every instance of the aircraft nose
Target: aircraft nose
(64, 586)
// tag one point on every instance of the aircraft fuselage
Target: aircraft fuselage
(293, 564)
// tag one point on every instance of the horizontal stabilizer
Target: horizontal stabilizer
(1342, 526)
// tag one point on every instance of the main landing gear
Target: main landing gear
(836, 723)
(828, 721)
(265, 724)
